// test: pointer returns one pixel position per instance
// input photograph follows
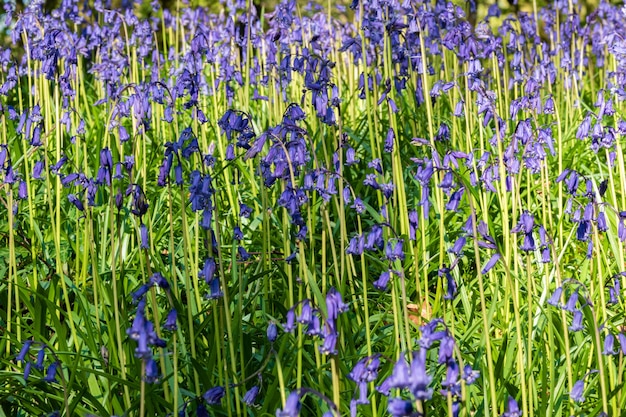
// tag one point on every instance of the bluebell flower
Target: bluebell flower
(208, 270)
(356, 245)
(622, 342)
(451, 287)
(571, 302)
(160, 281)
(292, 406)
(401, 374)
(577, 321)
(576, 394)
(38, 169)
(335, 304)
(512, 409)
(51, 373)
(382, 281)
(329, 347)
(490, 263)
(351, 158)
(215, 290)
(399, 407)
(170, 320)
(290, 324)
(455, 200)
(470, 375)
(243, 253)
(249, 397)
(387, 189)
(272, 332)
(555, 299)
(420, 379)
(393, 250)
(22, 191)
(389, 140)
(21, 357)
(457, 248)
(446, 349)
(214, 395)
(41, 356)
(244, 210)
(138, 294)
(601, 222)
(27, 369)
(152, 371)
(451, 383)
(609, 345)
(143, 233)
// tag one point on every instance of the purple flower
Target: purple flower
(577, 322)
(141, 291)
(401, 375)
(152, 371)
(170, 320)
(490, 263)
(470, 375)
(393, 251)
(214, 395)
(22, 191)
(208, 271)
(451, 383)
(571, 302)
(27, 369)
(399, 407)
(576, 394)
(272, 332)
(215, 291)
(24, 351)
(622, 342)
(446, 349)
(250, 396)
(457, 248)
(143, 232)
(356, 245)
(292, 406)
(512, 409)
(351, 158)
(41, 356)
(160, 281)
(51, 373)
(290, 325)
(244, 211)
(329, 347)
(38, 169)
(382, 281)
(555, 300)
(420, 379)
(76, 202)
(389, 140)
(609, 345)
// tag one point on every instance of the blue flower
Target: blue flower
(51, 372)
(24, 351)
(292, 406)
(512, 409)
(272, 332)
(152, 371)
(399, 407)
(250, 396)
(214, 395)
(170, 320)
(576, 394)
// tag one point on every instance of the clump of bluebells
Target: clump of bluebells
(405, 208)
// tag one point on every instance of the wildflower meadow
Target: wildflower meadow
(396, 207)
